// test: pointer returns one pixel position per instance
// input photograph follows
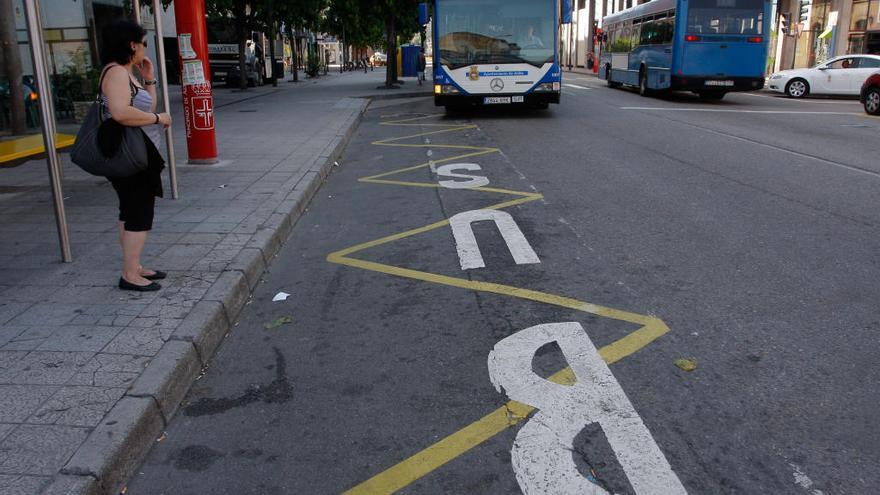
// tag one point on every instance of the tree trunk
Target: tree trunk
(591, 29)
(240, 32)
(294, 54)
(391, 66)
(12, 62)
(272, 54)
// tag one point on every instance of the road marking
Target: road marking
(722, 110)
(510, 414)
(421, 464)
(472, 182)
(569, 85)
(781, 97)
(803, 480)
(542, 452)
(469, 254)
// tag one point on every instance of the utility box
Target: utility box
(409, 55)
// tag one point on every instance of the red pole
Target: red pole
(198, 97)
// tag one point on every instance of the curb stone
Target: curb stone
(250, 262)
(230, 289)
(168, 377)
(73, 485)
(117, 447)
(205, 327)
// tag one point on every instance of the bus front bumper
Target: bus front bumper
(716, 83)
(529, 99)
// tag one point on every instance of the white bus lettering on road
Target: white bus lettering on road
(466, 243)
(473, 181)
(542, 452)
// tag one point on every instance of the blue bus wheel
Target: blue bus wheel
(611, 84)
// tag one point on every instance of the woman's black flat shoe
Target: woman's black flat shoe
(126, 285)
(158, 275)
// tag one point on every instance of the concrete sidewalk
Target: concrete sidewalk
(89, 374)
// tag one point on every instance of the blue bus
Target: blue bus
(496, 52)
(709, 47)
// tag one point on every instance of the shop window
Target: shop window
(873, 20)
(859, 16)
(856, 43)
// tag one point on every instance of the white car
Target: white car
(838, 76)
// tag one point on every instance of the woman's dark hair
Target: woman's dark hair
(118, 37)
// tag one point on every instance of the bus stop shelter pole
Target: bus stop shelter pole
(136, 10)
(163, 79)
(41, 74)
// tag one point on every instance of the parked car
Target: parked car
(870, 95)
(839, 76)
(379, 59)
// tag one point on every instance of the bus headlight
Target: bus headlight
(445, 89)
(554, 86)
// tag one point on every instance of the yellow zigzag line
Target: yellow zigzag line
(417, 466)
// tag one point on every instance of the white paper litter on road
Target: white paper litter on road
(281, 296)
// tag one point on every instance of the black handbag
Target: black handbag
(107, 148)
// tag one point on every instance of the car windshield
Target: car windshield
(495, 31)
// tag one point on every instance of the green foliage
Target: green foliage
(313, 65)
(621, 45)
(79, 80)
(365, 22)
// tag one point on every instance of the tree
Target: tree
(299, 14)
(364, 21)
(244, 14)
(12, 65)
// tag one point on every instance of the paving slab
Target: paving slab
(89, 375)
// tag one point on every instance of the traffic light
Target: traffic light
(785, 22)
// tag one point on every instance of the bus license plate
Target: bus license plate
(719, 83)
(496, 100)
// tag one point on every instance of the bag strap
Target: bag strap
(134, 89)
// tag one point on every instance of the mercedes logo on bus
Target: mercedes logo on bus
(497, 84)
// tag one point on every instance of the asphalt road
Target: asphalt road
(746, 227)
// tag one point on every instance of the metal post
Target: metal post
(136, 8)
(163, 80)
(41, 74)
(571, 35)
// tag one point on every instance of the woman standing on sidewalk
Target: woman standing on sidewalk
(131, 104)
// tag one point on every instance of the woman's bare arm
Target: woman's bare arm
(148, 73)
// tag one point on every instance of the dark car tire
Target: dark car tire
(611, 84)
(797, 88)
(872, 101)
(644, 90)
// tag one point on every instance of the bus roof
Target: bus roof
(652, 7)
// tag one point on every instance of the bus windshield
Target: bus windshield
(725, 16)
(495, 32)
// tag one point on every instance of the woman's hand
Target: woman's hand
(165, 119)
(147, 70)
